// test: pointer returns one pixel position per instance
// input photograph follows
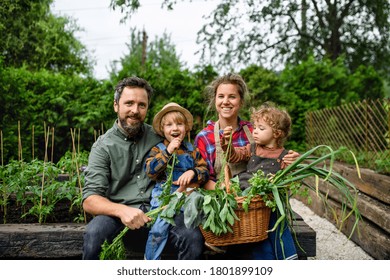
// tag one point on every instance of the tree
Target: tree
(31, 35)
(273, 32)
(61, 102)
(262, 84)
(314, 85)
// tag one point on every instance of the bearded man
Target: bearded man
(117, 190)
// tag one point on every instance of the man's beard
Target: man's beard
(132, 130)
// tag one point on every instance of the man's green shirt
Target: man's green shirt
(116, 166)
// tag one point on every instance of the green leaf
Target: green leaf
(223, 214)
(230, 218)
(193, 210)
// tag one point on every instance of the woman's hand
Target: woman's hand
(227, 133)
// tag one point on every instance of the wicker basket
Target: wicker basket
(252, 226)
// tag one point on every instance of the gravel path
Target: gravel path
(331, 244)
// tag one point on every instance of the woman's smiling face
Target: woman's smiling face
(227, 101)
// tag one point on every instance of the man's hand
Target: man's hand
(133, 218)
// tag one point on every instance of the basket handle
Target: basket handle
(228, 176)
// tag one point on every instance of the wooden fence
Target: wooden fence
(362, 127)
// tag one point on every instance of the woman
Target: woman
(228, 93)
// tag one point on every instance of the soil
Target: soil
(61, 214)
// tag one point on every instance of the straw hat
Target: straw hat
(170, 107)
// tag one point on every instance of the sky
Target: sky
(105, 37)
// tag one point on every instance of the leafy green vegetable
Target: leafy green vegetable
(116, 249)
(291, 179)
(173, 207)
(215, 214)
(165, 196)
(193, 206)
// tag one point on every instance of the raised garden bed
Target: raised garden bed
(65, 240)
(373, 203)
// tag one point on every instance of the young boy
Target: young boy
(271, 127)
(173, 122)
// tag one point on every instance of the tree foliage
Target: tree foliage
(43, 99)
(31, 35)
(276, 32)
(310, 86)
(262, 84)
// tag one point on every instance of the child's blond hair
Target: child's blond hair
(275, 117)
(177, 117)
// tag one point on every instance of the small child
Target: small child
(173, 122)
(271, 127)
